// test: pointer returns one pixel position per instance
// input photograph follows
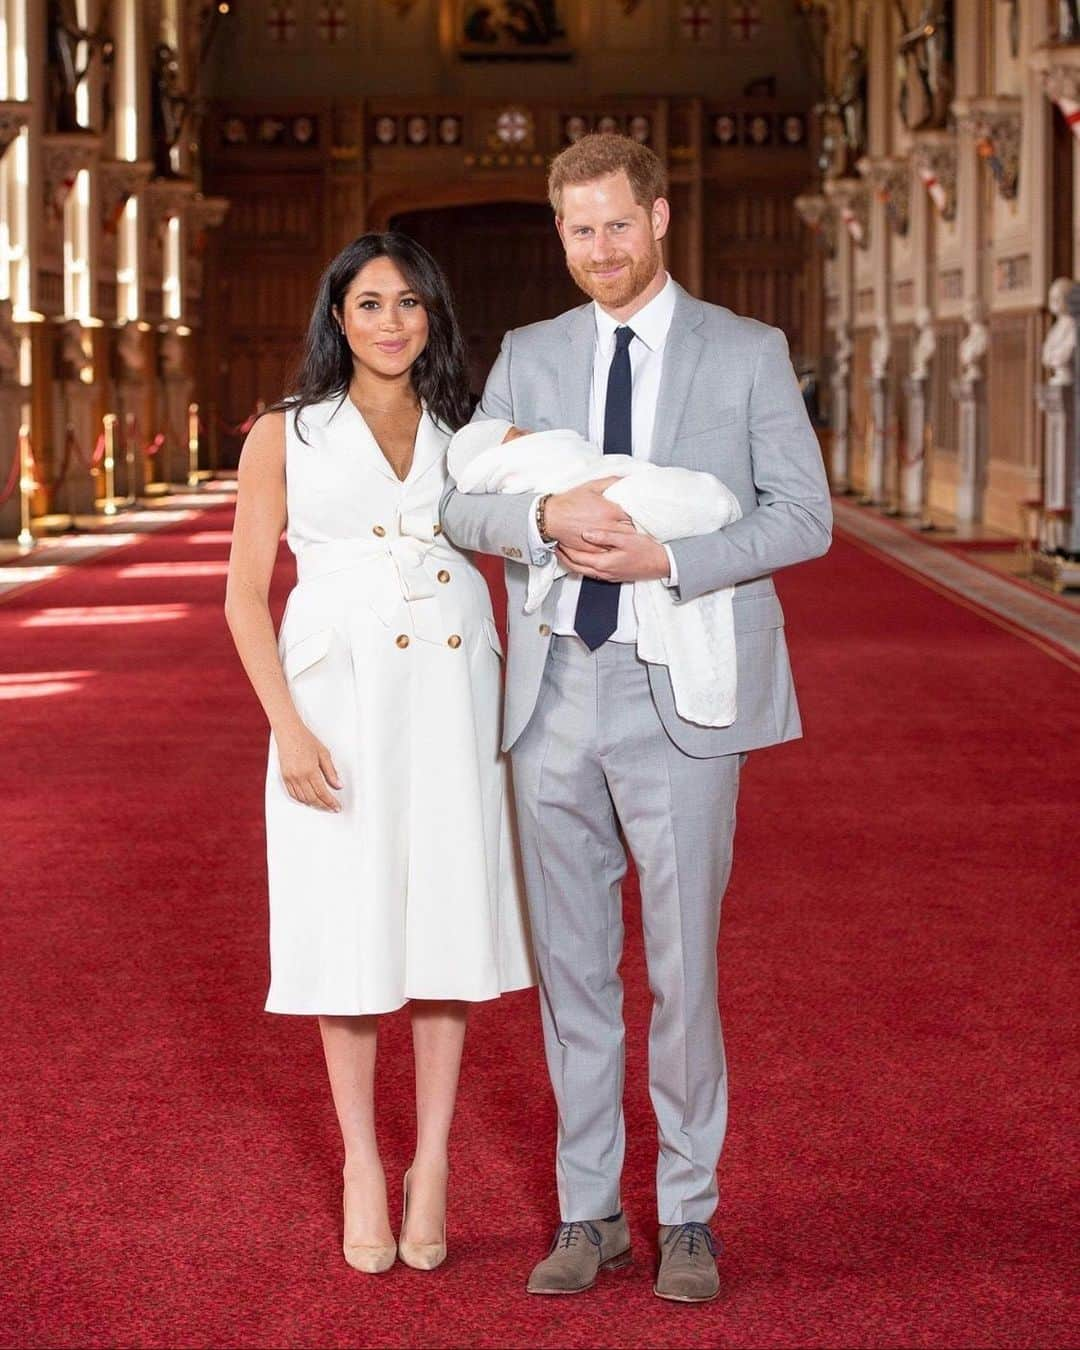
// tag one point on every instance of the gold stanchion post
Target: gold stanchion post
(130, 451)
(108, 463)
(193, 445)
(27, 488)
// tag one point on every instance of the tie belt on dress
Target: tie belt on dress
(406, 552)
(402, 577)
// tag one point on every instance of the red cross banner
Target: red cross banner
(331, 23)
(281, 23)
(696, 20)
(745, 22)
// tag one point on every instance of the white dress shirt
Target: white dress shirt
(651, 326)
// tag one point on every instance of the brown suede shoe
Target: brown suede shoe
(688, 1271)
(578, 1254)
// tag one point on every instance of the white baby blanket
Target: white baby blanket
(695, 640)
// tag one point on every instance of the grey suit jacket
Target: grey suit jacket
(730, 404)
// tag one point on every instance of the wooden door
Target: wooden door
(505, 266)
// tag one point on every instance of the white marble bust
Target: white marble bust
(922, 351)
(975, 345)
(842, 351)
(1059, 344)
(880, 351)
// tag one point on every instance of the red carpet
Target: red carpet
(897, 990)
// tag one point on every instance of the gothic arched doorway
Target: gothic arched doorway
(505, 266)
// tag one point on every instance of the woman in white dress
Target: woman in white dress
(392, 866)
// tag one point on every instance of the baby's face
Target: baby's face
(513, 434)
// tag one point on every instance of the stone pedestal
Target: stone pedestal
(74, 416)
(1056, 403)
(840, 452)
(913, 467)
(877, 463)
(971, 465)
(132, 470)
(172, 458)
(12, 396)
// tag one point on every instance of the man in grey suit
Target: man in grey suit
(600, 754)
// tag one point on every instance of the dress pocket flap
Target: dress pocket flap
(304, 653)
(492, 634)
(757, 612)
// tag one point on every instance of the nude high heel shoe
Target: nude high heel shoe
(372, 1258)
(419, 1255)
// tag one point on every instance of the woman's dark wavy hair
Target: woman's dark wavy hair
(439, 373)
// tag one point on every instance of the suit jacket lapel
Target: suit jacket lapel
(682, 353)
(575, 369)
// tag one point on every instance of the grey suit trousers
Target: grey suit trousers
(595, 757)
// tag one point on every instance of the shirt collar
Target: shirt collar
(650, 324)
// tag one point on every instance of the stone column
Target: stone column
(970, 394)
(913, 470)
(877, 490)
(12, 395)
(75, 430)
(840, 459)
(177, 390)
(130, 366)
(1071, 540)
(913, 477)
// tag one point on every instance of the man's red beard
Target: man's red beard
(625, 286)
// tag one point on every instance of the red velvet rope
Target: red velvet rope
(240, 429)
(13, 477)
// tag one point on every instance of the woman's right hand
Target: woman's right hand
(307, 768)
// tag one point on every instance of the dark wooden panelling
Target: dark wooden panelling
(754, 254)
(945, 412)
(505, 266)
(261, 280)
(1013, 367)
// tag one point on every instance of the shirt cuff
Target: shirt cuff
(672, 578)
(540, 552)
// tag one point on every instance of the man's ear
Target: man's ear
(661, 217)
(560, 227)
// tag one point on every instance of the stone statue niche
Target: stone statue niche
(1068, 21)
(851, 102)
(168, 109)
(925, 65)
(64, 37)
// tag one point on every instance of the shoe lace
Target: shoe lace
(691, 1236)
(568, 1234)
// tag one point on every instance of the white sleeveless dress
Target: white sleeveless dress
(412, 891)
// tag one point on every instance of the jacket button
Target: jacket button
(402, 640)
(545, 630)
(453, 641)
(443, 576)
(378, 531)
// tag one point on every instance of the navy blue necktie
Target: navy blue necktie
(597, 613)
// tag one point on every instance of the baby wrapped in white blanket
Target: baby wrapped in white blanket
(695, 639)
